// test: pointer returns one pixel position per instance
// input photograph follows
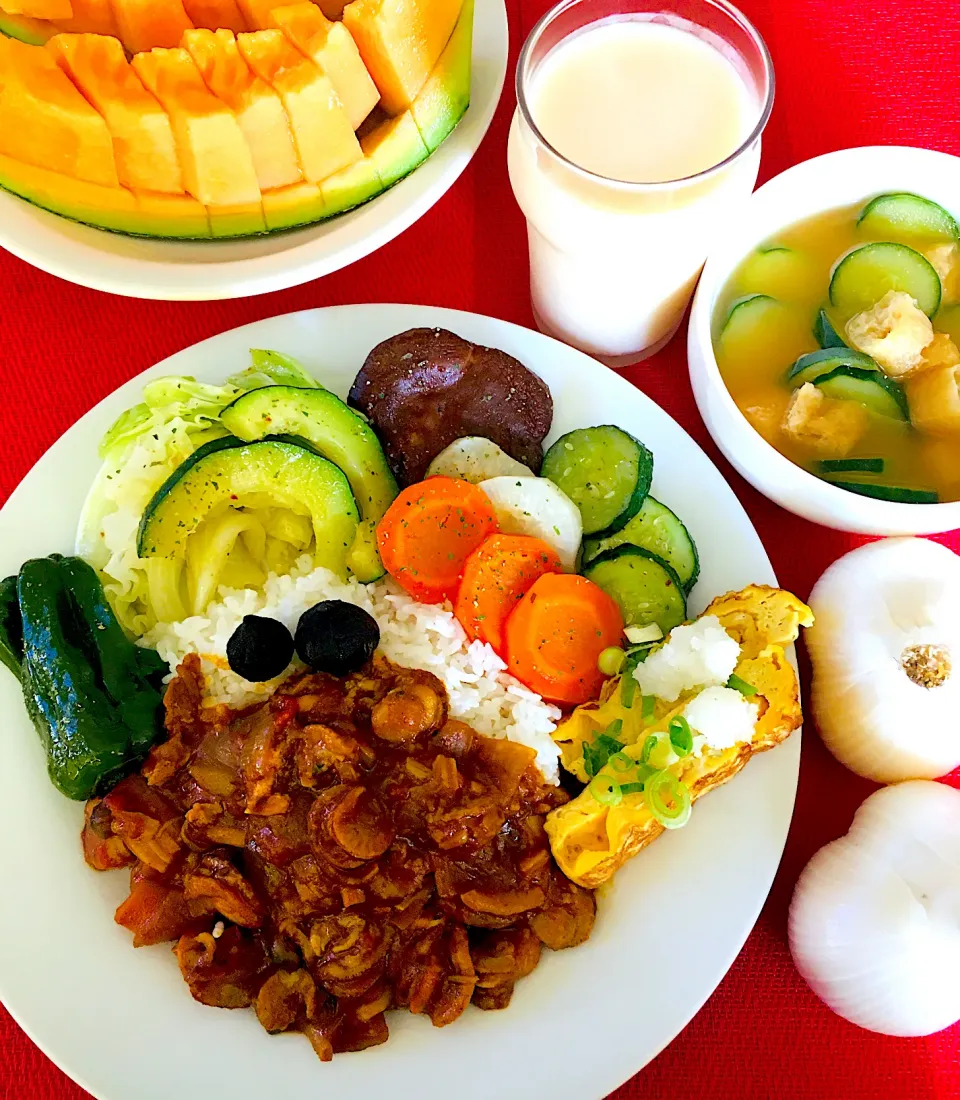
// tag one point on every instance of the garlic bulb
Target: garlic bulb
(885, 649)
(875, 917)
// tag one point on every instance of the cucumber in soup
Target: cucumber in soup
(902, 214)
(824, 332)
(863, 276)
(810, 367)
(872, 388)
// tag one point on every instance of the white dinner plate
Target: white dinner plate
(207, 270)
(122, 1023)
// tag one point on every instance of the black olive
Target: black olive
(260, 648)
(336, 637)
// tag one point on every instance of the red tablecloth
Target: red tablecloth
(849, 72)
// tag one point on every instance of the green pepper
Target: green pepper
(11, 628)
(86, 688)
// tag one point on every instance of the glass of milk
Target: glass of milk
(635, 139)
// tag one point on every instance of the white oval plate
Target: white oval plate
(122, 1022)
(208, 270)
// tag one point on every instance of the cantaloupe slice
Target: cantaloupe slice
(395, 147)
(147, 23)
(214, 157)
(177, 216)
(38, 9)
(351, 187)
(288, 207)
(446, 95)
(142, 136)
(332, 9)
(261, 116)
(91, 203)
(332, 47)
(256, 13)
(46, 122)
(33, 31)
(214, 14)
(237, 221)
(400, 42)
(322, 132)
(90, 17)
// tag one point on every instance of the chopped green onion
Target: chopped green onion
(668, 799)
(741, 685)
(631, 788)
(620, 762)
(611, 660)
(851, 466)
(648, 746)
(613, 730)
(648, 707)
(681, 736)
(596, 753)
(628, 686)
(605, 791)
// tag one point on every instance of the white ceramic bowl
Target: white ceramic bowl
(835, 179)
(209, 270)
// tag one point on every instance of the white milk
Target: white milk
(634, 102)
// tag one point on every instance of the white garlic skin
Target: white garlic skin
(875, 917)
(870, 606)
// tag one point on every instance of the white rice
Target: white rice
(412, 634)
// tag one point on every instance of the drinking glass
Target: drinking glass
(613, 264)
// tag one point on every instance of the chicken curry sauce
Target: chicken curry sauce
(339, 851)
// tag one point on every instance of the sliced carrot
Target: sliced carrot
(495, 578)
(429, 532)
(557, 632)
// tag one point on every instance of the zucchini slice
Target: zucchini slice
(658, 530)
(824, 332)
(337, 433)
(897, 493)
(871, 388)
(862, 277)
(226, 471)
(902, 214)
(646, 589)
(815, 364)
(604, 471)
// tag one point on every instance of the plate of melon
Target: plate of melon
(207, 149)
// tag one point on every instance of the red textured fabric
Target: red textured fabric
(849, 72)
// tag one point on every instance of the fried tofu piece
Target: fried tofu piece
(934, 400)
(894, 332)
(945, 259)
(591, 841)
(940, 352)
(830, 427)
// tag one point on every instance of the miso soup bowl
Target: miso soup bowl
(824, 183)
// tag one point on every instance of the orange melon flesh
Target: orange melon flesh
(287, 207)
(215, 160)
(214, 14)
(446, 95)
(38, 9)
(46, 122)
(322, 132)
(147, 23)
(91, 203)
(261, 116)
(332, 47)
(400, 41)
(161, 215)
(33, 31)
(395, 147)
(256, 13)
(91, 17)
(142, 136)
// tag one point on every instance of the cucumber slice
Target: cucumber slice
(810, 367)
(902, 214)
(897, 493)
(850, 466)
(226, 471)
(862, 277)
(746, 314)
(604, 471)
(337, 433)
(825, 334)
(644, 586)
(871, 388)
(658, 530)
(779, 272)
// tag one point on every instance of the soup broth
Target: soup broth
(779, 305)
